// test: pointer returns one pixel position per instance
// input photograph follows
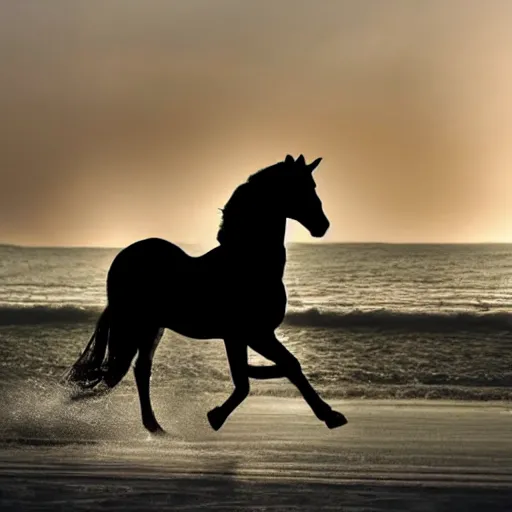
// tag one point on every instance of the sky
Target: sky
(122, 119)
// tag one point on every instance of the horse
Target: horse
(234, 292)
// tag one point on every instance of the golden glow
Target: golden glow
(134, 119)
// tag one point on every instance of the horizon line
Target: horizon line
(29, 246)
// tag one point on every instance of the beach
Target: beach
(252, 207)
(272, 454)
(411, 343)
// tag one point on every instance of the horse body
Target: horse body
(212, 296)
(234, 292)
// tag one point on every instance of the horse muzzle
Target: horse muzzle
(320, 230)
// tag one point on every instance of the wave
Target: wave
(417, 321)
(380, 319)
(36, 315)
(404, 392)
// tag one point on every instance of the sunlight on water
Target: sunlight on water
(373, 321)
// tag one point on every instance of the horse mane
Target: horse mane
(241, 208)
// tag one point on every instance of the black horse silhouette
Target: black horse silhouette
(234, 292)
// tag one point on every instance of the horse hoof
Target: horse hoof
(155, 429)
(335, 419)
(215, 418)
(159, 432)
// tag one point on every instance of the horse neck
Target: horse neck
(257, 239)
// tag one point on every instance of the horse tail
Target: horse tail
(105, 360)
(88, 370)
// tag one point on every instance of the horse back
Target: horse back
(200, 297)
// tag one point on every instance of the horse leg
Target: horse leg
(237, 358)
(142, 371)
(272, 349)
(265, 372)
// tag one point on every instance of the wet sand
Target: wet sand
(271, 455)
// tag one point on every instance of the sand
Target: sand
(272, 454)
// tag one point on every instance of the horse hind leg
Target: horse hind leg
(148, 342)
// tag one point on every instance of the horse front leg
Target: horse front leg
(271, 348)
(237, 358)
(266, 372)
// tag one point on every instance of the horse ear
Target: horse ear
(289, 159)
(313, 165)
(301, 160)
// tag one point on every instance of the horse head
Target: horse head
(299, 199)
(285, 190)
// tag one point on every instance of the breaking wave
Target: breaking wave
(417, 321)
(379, 319)
(35, 315)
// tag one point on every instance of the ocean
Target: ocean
(410, 342)
(379, 321)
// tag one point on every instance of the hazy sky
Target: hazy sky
(122, 119)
